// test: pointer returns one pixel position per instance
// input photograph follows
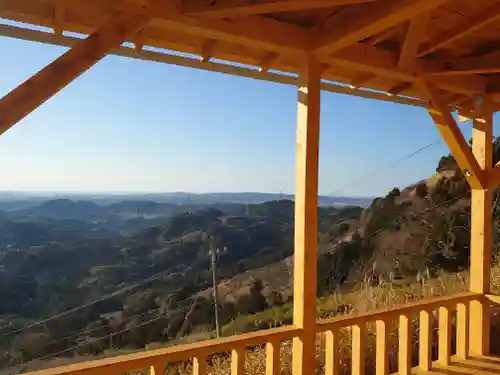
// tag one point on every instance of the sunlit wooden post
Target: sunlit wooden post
(306, 217)
(481, 234)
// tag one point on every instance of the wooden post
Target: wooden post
(306, 217)
(47, 82)
(481, 235)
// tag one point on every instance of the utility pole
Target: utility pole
(214, 253)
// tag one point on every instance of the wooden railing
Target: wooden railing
(440, 308)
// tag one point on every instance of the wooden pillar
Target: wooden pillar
(306, 217)
(47, 82)
(481, 235)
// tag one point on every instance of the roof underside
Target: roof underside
(364, 45)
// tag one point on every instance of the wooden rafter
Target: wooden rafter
(252, 31)
(345, 30)
(32, 93)
(59, 15)
(487, 64)
(491, 14)
(447, 126)
(267, 61)
(207, 49)
(238, 8)
(383, 63)
(414, 36)
(146, 55)
(398, 89)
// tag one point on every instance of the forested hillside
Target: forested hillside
(126, 274)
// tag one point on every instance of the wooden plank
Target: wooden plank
(157, 369)
(200, 365)
(273, 358)
(239, 8)
(344, 30)
(444, 333)
(414, 36)
(331, 353)
(452, 135)
(481, 234)
(47, 82)
(306, 216)
(238, 361)
(462, 331)
(447, 37)
(382, 349)
(358, 349)
(404, 349)
(425, 341)
(393, 313)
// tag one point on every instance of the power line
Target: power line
(447, 203)
(78, 308)
(388, 167)
(97, 339)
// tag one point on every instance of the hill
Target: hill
(146, 262)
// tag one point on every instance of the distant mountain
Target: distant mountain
(12, 200)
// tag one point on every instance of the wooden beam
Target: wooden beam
(384, 63)
(487, 64)
(252, 31)
(42, 86)
(461, 30)
(344, 29)
(306, 217)
(207, 49)
(59, 15)
(481, 233)
(238, 39)
(147, 55)
(398, 89)
(414, 36)
(239, 8)
(452, 135)
(267, 61)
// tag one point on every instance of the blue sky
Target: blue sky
(134, 126)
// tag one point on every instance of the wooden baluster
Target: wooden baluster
(462, 330)
(425, 341)
(444, 342)
(331, 353)
(358, 349)
(273, 358)
(238, 361)
(382, 356)
(200, 365)
(157, 369)
(404, 355)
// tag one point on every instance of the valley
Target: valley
(83, 277)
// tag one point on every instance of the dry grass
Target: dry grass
(367, 297)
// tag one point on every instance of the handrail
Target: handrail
(408, 308)
(143, 360)
(271, 337)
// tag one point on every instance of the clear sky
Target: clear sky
(134, 126)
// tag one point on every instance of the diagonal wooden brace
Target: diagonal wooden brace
(28, 96)
(452, 135)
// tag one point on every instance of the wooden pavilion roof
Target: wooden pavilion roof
(371, 48)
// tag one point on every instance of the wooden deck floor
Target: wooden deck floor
(477, 366)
